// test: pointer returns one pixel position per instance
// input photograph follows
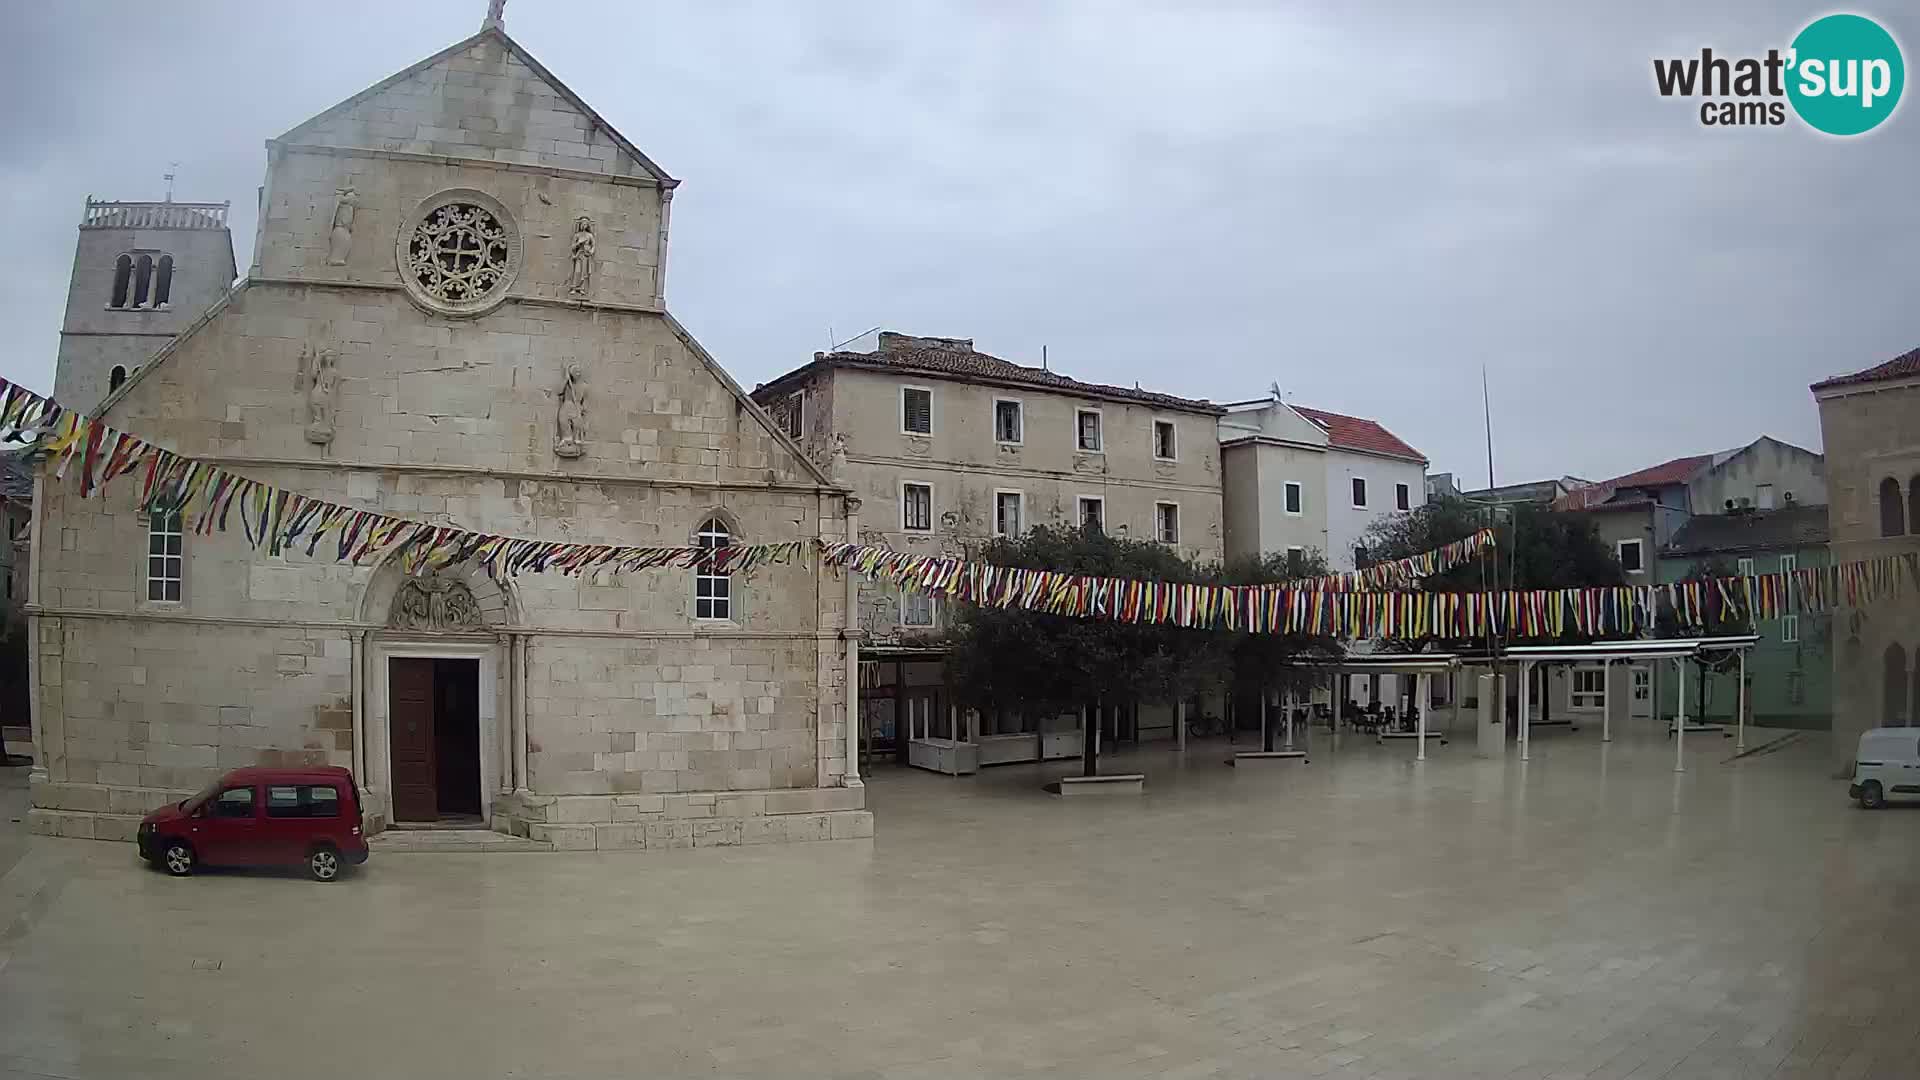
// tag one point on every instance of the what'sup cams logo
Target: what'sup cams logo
(1842, 75)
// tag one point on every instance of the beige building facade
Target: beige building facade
(1870, 424)
(455, 314)
(947, 447)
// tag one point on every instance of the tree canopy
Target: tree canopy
(1011, 658)
(1535, 547)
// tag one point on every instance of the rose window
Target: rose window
(460, 253)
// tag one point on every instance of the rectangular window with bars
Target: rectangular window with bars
(1087, 430)
(165, 561)
(1009, 423)
(1166, 520)
(916, 507)
(916, 410)
(1009, 513)
(1790, 628)
(916, 609)
(1589, 688)
(793, 419)
(1093, 513)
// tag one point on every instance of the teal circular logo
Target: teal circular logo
(1846, 74)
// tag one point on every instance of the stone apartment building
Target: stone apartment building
(1308, 480)
(455, 314)
(946, 447)
(1870, 423)
(1639, 514)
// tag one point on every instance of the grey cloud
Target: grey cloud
(1363, 202)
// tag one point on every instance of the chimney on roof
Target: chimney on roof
(895, 342)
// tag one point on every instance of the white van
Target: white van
(1887, 763)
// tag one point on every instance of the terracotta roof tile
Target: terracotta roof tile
(1678, 471)
(956, 357)
(1904, 366)
(1358, 433)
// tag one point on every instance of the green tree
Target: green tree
(1534, 548)
(1046, 664)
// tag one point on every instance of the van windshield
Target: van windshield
(193, 802)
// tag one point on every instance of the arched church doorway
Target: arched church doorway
(436, 744)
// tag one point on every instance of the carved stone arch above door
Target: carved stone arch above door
(459, 599)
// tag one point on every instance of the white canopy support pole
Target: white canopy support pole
(1453, 692)
(1740, 743)
(1526, 705)
(1680, 721)
(1339, 698)
(1423, 686)
(1606, 699)
(1180, 724)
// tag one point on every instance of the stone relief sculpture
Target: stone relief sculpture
(581, 277)
(837, 457)
(434, 603)
(570, 435)
(319, 382)
(340, 235)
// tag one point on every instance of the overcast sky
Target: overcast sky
(1364, 203)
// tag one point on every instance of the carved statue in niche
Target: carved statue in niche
(319, 382)
(434, 603)
(837, 458)
(570, 436)
(581, 277)
(340, 234)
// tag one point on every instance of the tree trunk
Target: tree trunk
(1090, 743)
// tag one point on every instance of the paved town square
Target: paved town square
(1588, 913)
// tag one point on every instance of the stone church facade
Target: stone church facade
(455, 313)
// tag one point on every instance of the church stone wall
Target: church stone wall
(643, 725)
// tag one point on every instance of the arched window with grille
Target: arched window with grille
(122, 281)
(712, 592)
(142, 280)
(1894, 691)
(1892, 516)
(165, 561)
(163, 281)
(115, 377)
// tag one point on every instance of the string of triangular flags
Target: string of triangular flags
(208, 498)
(1306, 608)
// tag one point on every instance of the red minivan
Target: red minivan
(261, 817)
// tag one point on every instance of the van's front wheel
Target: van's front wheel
(324, 864)
(177, 857)
(1871, 795)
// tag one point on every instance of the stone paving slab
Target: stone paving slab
(1588, 914)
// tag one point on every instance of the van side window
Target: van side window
(302, 801)
(234, 802)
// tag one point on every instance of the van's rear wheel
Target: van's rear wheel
(177, 856)
(324, 864)
(1871, 795)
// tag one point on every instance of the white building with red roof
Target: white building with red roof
(1301, 479)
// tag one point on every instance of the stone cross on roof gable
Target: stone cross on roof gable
(496, 15)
